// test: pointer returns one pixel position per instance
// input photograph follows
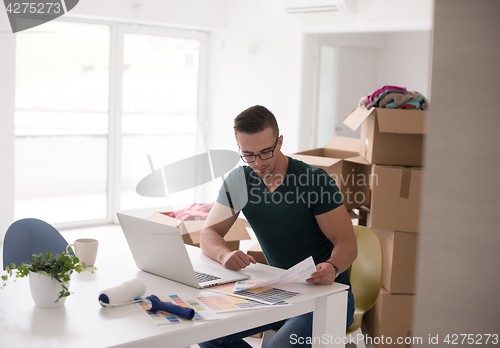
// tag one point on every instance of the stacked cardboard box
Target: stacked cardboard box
(391, 140)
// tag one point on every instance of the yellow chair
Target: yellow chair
(365, 274)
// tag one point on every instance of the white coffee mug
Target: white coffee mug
(85, 249)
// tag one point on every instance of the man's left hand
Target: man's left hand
(324, 275)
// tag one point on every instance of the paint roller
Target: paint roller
(132, 291)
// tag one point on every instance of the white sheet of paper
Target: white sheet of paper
(296, 274)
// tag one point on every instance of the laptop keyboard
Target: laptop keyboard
(205, 277)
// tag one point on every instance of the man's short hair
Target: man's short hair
(254, 120)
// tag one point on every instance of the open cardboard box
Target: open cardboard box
(389, 136)
(256, 251)
(340, 159)
(190, 230)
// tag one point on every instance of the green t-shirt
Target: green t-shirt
(284, 221)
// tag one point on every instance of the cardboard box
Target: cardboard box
(190, 230)
(391, 316)
(400, 258)
(389, 136)
(256, 251)
(395, 198)
(339, 158)
(337, 147)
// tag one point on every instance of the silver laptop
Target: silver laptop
(159, 249)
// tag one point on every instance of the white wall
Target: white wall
(458, 278)
(7, 83)
(255, 60)
(373, 16)
(406, 61)
(356, 79)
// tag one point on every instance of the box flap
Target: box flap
(194, 226)
(236, 233)
(357, 159)
(255, 248)
(316, 160)
(342, 147)
(357, 117)
(344, 144)
(401, 121)
(312, 152)
(165, 219)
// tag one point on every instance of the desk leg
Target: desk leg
(329, 321)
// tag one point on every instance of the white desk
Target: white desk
(82, 322)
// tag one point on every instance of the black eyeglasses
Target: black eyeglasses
(263, 155)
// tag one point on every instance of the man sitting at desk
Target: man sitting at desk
(295, 211)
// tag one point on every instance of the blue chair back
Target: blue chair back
(30, 236)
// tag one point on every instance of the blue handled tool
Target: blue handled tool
(158, 305)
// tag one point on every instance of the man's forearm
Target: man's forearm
(213, 244)
(343, 257)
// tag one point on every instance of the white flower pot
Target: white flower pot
(45, 290)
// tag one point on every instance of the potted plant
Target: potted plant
(49, 277)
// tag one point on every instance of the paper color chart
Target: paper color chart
(264, 294)
(184, 300)
(246, 284)
(226, 303)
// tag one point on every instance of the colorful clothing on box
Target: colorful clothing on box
(406, 107)
(413, 102)
(394, 97)
(397, 98)
(375, 102)
(372, 96)
(194, 212)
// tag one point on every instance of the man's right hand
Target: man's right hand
(236, 260)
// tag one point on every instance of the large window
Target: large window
(97, 104)
(160, 84)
